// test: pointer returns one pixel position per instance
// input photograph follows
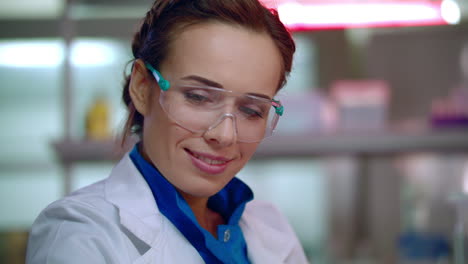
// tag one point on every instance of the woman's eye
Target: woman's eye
(195, 97)
(251, 112)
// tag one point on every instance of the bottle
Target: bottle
(98, 120)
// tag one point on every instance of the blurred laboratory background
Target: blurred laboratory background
(369, 163)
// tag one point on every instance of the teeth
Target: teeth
(209, 161)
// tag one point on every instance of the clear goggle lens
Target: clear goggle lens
(200, 108)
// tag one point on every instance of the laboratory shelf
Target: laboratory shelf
(51, 27)
(71, 151)
(365, 142)
(294, 145)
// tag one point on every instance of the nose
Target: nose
(223, 132)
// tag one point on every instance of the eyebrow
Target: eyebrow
(203, 80)
(217, 85)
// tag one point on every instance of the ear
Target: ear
(140, 87)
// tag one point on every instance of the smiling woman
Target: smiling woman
(172, 147)
(200, 98)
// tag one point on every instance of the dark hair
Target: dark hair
(167, 18)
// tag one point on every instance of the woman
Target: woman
(200, 99)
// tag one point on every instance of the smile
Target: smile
(208, 163)
(208, 160)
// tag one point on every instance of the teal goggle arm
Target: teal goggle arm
(279, 109)
(163, 83)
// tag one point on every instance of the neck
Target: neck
(206, 218)
(199, 205)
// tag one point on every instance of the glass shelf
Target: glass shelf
(366, 142)
(87, 151)
(371, 143)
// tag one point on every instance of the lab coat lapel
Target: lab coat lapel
(265, 244)
(128, 190)
(138, 211)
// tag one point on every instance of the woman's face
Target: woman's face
(233, 57)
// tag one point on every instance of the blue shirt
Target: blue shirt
(230, 247)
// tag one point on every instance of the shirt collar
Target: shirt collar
(229, 202)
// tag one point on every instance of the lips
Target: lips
(208, 163)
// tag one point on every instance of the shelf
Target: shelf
(50, 28)
(364, 143)
(87, 151)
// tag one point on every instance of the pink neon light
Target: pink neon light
(300, 15)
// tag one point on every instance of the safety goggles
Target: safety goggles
(199, 108)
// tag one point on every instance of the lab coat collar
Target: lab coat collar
(266, 243)
(127, 190)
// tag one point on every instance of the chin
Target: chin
(202, 191)
(205, 185)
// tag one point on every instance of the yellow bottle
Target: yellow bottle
(98, 121)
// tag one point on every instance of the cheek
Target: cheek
(163, 130)
(247, 150)
(156, 128)
(162, 140)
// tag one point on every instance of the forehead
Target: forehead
(239, 59)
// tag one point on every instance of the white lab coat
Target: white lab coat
(117, 221)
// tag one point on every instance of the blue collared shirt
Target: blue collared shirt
(230, 247)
